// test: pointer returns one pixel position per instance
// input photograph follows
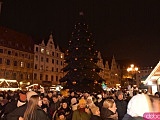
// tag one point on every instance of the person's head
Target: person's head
(22, 97)
(29, 94)
(32, 105)
(61, 115)
(138, 105)
(157, 94)
(55, 99)
(120, 95)
(82, 103)
(50, 94)
(89, 100)
(95, 111)
(110, 104)
(99, 96)
(72, 93)
(34, 101)
(45, 100)
(64, 105)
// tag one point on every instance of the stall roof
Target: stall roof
(154, 75)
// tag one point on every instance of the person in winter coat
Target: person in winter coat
(95, 114)
(82, 113)
(108, 111)
(121, 105)
(19, 112)
(34, 110)
(65, 108)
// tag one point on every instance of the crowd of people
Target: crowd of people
(71, 105)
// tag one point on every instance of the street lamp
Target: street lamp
(132, 69)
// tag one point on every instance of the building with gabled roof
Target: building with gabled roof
(16, 55)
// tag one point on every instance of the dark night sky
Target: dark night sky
(127, 29)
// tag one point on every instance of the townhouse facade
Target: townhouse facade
(16, 58)
(48, 62)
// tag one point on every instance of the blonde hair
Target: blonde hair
(31, 107)
(108, 103)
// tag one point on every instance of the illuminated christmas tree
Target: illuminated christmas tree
(81, 58)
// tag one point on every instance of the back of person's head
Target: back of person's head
(108, 103)
(31, 107)
(29, 94)
(138, 105)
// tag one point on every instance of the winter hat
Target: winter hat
(61, 112)
(138, 105)
(73, 101)
(94, 110)
(29, 94)
(82, 101)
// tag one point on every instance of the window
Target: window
(35, 76)
(41, 67)
(52, 78)
(47, 52)
(42, 50)
(52, 53)
(36, 49)
(57, 62)
(28, 65)
(57, 54)
(28, 76)
(15, 63)
(52, 69)
(57, 70)
(21, 76)
(1, 50)
(9, 52)
(16, 54)
(14, 76)
(46, 77)
(47, 60)
(8, 62)
(61, 55)
(35, 66)
(41, 59)
(61, 63)
(22, 64)
(41, 76)
(36, 57)
(53, 61)
(0, 60)
(56, 78)
(46, 68)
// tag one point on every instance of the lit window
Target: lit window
(61, 55)
(42, 50)
(22, 64)
(47, 52)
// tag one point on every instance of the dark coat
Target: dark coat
(106, 114)
(18, 112)
(95, 117)
(128, 117)
(121, 108)
(40, 115)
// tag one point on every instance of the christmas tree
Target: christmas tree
(81, 58)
